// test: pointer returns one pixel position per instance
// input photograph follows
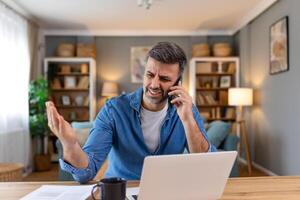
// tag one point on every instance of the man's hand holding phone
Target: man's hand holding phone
(183, 102)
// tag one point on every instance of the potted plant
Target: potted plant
(38, 95)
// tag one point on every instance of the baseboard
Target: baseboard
(259, 167)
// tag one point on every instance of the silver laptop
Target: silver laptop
(184, 176)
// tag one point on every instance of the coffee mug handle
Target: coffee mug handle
(99, 184)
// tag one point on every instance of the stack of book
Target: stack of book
(83, 83)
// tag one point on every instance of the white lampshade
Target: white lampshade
(110, 89)
(240, 96)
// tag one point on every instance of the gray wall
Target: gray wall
(113, 54)
(274, 123)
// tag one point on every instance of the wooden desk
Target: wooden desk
(275, 187)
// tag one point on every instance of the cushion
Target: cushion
(82, 130)
(82, 135)
(217, 132)
(80, 125)
(230, 143)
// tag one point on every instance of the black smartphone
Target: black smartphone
(171, 97)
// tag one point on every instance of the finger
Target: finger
(177, 100)
(53, 108)
(180, 100)
(50, 103)
(48, 115)
(178, 93)
(55, 122)
(61, 120)
(177, 87)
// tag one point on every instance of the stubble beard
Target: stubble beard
(164, 96)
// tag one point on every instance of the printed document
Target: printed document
(60, 192)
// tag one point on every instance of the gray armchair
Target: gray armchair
(219, 134)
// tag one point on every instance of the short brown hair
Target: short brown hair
(168, 53)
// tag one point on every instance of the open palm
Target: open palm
(59, 126)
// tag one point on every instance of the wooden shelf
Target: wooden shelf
(77, 120)
(69, 90)
(212, 89)
(72, 107)
(214, 105)
(215, 74)
(222, 119)
(72, 74)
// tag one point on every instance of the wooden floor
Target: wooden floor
(52, 175)
(243, 171)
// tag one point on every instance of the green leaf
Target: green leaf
(38, 95)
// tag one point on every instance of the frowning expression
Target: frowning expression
(158, 79)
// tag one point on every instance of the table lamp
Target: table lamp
(110, 89)
(242, 97)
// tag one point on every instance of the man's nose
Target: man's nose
(155, 82)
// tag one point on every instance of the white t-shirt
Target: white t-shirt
(151, 124)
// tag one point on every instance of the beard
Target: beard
(155, 95)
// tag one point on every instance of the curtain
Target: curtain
(35, 66)
(14, 71)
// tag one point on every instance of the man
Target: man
(130, 127)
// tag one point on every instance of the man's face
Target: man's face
(158, 79)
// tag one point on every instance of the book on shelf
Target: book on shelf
(83, 83)
(213, 113)
(231, 68)
(218, 112)
(223, 97)
(210, 100)
(86, 101)
(200, 99)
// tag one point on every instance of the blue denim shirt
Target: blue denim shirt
(117, 133)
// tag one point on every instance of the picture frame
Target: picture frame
(70, 82)
(66, 101)
(79, 100)
(279, 46)
(225, 82)
(138, 62)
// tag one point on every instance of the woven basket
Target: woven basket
(86, 50)
(200, 50)
(10, 172)
(222, 49)
(66, 50)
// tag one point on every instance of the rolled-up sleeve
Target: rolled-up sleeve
(96, 147)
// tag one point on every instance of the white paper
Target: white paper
(132, 191)
(60, 192)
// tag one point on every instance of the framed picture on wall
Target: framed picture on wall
(137, 59)
(279, 46)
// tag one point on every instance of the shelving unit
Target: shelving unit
(72, 86)
(210, 78)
